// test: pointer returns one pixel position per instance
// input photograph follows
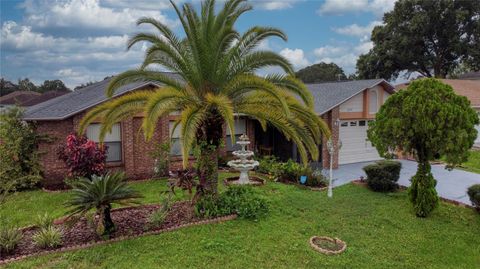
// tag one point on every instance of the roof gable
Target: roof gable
(332, 94)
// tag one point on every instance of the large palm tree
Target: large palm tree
(217, 67)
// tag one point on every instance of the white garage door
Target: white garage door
(355, 144)
(478, 135)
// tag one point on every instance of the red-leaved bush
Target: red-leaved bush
(83, 157)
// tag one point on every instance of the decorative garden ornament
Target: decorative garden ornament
(243, 164)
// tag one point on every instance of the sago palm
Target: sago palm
(217, 67)
(100, 193)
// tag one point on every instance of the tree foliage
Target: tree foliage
(52, 85)
(19, 162)
(426, 120)
(428, 37)
(217, 67)
(321, 72)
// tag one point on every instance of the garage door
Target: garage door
(478, 135)
(355, 144)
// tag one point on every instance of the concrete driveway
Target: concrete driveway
(450, 184)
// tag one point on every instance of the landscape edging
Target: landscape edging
(120, 238)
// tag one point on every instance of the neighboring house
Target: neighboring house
(469, 88)
(27, 98)
(347, 107)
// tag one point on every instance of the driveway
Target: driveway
(450, 184)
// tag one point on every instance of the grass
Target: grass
(380, 230)
(473, 163)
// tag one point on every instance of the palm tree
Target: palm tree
(100, 193)
(217, 67)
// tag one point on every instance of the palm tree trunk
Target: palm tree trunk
(209, 138)
(106, 220)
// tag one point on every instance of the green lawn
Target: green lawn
(473, 163)
(380, 230)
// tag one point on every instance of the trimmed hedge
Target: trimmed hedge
(382, 176)
(474, 194)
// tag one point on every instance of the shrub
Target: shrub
(382, 176)
(44, 221)
(474, 194)
(100, 193)
(158, 217)
(161, 155)
(289, 171)
(9, 238)
(315, 178)
(48, 237)
(19, 163)
(83, 157)
(240, 200)
(267, 165)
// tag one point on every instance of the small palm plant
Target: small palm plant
(99, 194)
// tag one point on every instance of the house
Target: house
(27, 98)
(469, 88)
(347, 107)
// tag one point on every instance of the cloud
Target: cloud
(344, 55)
(296, 57)
(341, 7)
(276, 4)
(89, 17)
(357, 30)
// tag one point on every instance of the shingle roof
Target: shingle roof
(326, 97)
(18, 98)
(331, 94)
(467, 88)
(64, 106)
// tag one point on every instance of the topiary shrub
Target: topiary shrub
(474, 194)
(237, 199)
(382, 176)
(83, 157)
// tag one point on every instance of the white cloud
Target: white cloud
(14, 36)
(89, 15)
(295, 56)
(328, 51)
(344, 55)
(339, 7)
(357, 30)
(276, 4)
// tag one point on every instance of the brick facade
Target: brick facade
(136, 160)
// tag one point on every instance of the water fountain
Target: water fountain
(243, 164)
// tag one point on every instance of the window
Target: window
(112, 140)
(361, 123)
(175, 145)
(373, 104)
(353, 123)
(344, 124)
(240, 128)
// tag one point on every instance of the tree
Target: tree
(52, 85)
(321, 72)
(217, 67)
(26, 85)
(19, 161)
(428, 37)
(426, 120)
(100, 193)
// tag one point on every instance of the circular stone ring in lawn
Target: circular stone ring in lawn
(327, 245)
(254, 181)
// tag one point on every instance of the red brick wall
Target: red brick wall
(136, 160)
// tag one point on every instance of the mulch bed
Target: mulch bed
(254, 181)
(129, 222)
(327, 245)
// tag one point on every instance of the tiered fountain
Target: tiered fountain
(243, 164)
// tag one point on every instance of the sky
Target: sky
(79, 41)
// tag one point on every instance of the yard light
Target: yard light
(331, 151)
